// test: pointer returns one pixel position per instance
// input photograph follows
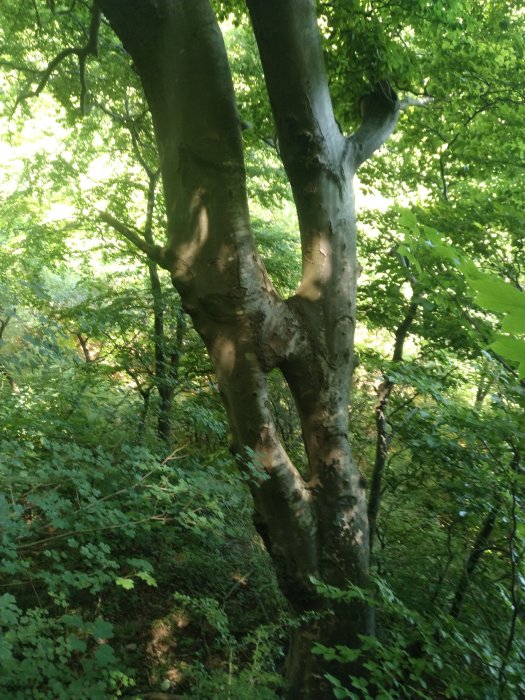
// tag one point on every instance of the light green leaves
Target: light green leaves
(496, 295)
(500, 297)
(512, 349)
(423, 245)
(126, 583)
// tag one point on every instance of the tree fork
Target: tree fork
(315, 527)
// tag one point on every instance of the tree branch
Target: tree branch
(90, 48)
(153, 251)
(289, 44)
(379, 113)
(3, 325)
(71, 51)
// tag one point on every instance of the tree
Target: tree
(313, 517)
(314, 523)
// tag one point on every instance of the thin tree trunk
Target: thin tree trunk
(478, 548)
(163, 377)
(166, 359)
(83, 342)
(481, 543)
(163, 374)
(516, 579)
(383, 438)
(3, 369)
(10, 379)
(145, 394)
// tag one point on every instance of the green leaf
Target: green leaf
(6, 654)
(126, 583)
(320, 649)
(511, 348)
(147, 577)
(100, 629)
(347, 654)
(496, 295)
(9, 611)
(72, 620)
(105, 655)
(76, 644)
(143, 564)
(514, 323)
(407, 219)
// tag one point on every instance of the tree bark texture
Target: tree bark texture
(315, 524)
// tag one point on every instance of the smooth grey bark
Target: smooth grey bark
(314, 526)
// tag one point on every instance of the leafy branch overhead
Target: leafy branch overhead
(489, 291)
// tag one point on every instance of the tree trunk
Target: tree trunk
(3, 369)
(383, 438)
(314, 526)
(475, 554)
(167, 355)
(163, 378)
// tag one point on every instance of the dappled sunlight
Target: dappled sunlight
(196, 465)
(225, 257)
(162, 650)
(188, 251)
(382, 342)
(224, 356)
(317, 268)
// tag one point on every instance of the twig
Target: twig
(83, 531)
(171, 456)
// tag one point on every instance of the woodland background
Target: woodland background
(128, 560)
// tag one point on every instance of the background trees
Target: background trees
(98, 508)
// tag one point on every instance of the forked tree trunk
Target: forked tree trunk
(315, 526)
